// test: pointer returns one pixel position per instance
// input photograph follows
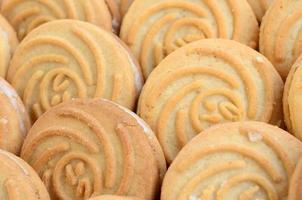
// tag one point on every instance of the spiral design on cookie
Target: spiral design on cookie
(56, 66)
(26, 15)
(234, 161)
(18, 180)
(80, 156)
(156, 30)
(284, 46)
(201, 85)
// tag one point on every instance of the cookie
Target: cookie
(8, 44)
(202, 84)
(281, 34)
(155, 28)
(18, 180)
(113, 197)
(292, 100)
(85, 148)
(65, 59)
(26, 15)
(295, 189)
(259, 7)
(240, 160)
(14, 120)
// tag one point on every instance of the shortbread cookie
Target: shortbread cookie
(292, 99)
(14, 120)
(115, 13)
(18, 180)
(65, 59)
(240, 160)
(85, 148)
(113, 197)
(260, 7)
(281, 34)
(25, 15)
(295, 189)
(155, 28)
(205, 83)
(8, 44)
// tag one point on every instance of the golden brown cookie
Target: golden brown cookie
(259, 7)
(25, 15)
(241, 160)
(155, 28)
(85, 148)
(18, 180)
(8, 44)
(295, 190)
(292, 99)
(113, 197)
(202, 84)
(281, 34)
(14, 120)
(65, 59)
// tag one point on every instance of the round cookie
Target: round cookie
(295, 189)
(18, 180)
(113, 197)
(281, 34)
(292, 98)
(259, 7)
(240, 160)
(66, 59)
(202, 84)
(155, 28)
(26, 15)
(8, 44)
(14, 120)
(84, 148)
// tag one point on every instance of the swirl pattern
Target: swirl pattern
(106, 157)
(201, 85)
(240, 160)
(14, 120)
(260, 7)
(154, 28)
(26, 15)
(18, 180)
(281, 37)
(66, 59)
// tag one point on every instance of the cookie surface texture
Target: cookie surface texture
(66, 59)
(8, 44)
(85, 148)
(26, 15)
(292, 100)
(281, 34)
(202, 84)
(295, 190)
(14, 120)
(113, 197)
(155, 28)
(18, 180)
(260, 7)
(241, 160)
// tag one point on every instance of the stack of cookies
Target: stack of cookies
(151, 99)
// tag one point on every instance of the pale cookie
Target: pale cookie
(26, 15)
(281, 34)
(240, 160)
(65, 59)
(260, 7)
(14, 120)
(113, 197)
(155, 28)
(292, 99)
(295, 190)
(205, 83)
(18, 180)
(85, 148)
(8, 44)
